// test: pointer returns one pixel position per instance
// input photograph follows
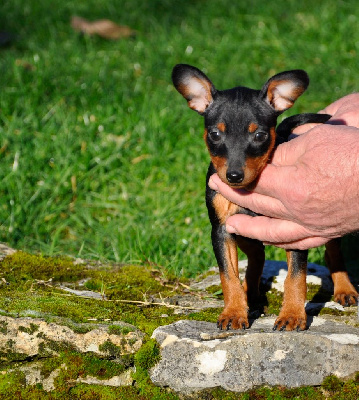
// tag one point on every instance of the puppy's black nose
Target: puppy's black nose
(235, 176)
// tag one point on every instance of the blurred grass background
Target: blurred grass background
(100, 156)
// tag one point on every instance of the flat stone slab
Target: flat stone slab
(24, 338)
(196, 355)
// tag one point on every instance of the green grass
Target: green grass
(100, 157)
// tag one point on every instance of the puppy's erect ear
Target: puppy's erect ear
(282, 90)
(194, 86)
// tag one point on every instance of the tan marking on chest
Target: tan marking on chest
(224, 208)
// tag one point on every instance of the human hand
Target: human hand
(308, 194)
(344, 111)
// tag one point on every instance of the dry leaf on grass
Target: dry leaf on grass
(24, 64)
(102, 27)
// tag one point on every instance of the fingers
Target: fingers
(282, 236)
(349, 118)
(265, 186)
(350, 101)
(303, 244)
(344, 111)
(304, 128)
(255, 202)
(270, 230)
(285, 234)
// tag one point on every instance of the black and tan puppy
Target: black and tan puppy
(240, 133)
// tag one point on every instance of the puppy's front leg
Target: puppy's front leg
(235, 313)
(292, 315)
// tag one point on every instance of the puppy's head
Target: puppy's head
(239, 122)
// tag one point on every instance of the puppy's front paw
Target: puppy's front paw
(346, 299)
(232, 319)
(290, 322)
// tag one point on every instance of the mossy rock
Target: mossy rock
(31, 287)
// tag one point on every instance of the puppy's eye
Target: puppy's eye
(215, 136)
(260, 137)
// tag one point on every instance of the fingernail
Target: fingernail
(231, 229)
(212, 184)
